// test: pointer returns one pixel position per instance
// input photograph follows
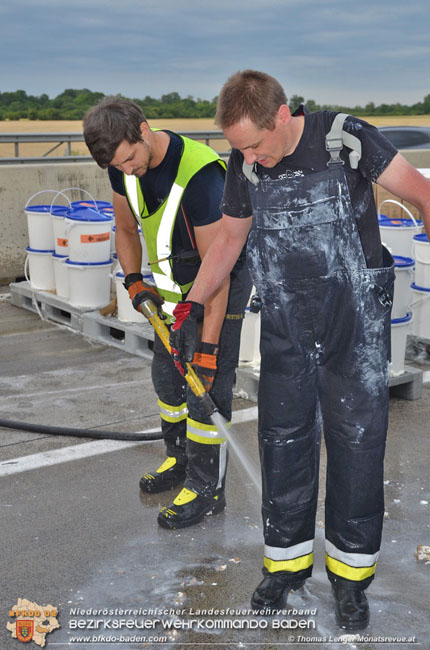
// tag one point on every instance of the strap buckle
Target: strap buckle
(334, 146)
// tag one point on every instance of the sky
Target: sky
(348, 52)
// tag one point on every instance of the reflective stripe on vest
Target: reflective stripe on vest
(157, 227)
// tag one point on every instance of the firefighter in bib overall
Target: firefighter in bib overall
(299, 187)
(172, 187)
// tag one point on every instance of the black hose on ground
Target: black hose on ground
(79, 433)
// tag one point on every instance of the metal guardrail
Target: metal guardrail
(67, 138)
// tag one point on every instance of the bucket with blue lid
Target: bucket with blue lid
(39, 222)
(422, 260)
(400, 328)
(125, 310)
(421, 308)
(89, 233)
(58, 218)
(61, 275)
(404, 271)
(89, 283)
(397, 234)
(39, 268)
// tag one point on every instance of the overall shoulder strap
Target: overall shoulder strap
(337, 137)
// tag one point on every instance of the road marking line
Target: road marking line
(76, 389)
(93, 448)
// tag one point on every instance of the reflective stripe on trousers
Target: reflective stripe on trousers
(325, 334)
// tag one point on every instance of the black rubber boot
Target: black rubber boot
(166, 477)
(189, 508)
(273, 590)
(351, 607)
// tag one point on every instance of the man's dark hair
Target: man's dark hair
(250, 94)
(112, 120)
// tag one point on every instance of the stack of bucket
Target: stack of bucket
(421, 287)
(398, 236)
(69, 250)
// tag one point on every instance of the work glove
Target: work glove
(205, 363)
(139, 291)
(183, 333)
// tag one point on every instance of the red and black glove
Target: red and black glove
(139, 291)
(204, 363)
(183, 333)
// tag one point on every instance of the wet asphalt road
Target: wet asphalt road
(77, 533)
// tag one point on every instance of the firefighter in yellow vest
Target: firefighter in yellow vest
(172, 187)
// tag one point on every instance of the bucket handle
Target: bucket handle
(69, 189)
(27, 277)
(417, 302)
(402, 206)
(37, 194)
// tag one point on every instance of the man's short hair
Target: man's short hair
(250, 94)
(112, 120)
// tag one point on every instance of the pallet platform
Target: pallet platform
(137, 338)
(134, 338)
(408, 385)
(417, 349)
(48, 304)
(131, 337)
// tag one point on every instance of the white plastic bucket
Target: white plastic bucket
(400, 328)
(403, 268)
(112, 240)
(249, 350)
(88, 233)
(126, 311)
(39, 223)
(116, 265)
(146, 267)
(421, 309)
(40, 269)
(58, 217)
(89, 283)
(422, 260)
(397, 234)
(61, 275)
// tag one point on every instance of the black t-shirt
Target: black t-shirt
(200, 203)
(311, 156)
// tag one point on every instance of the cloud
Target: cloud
(336, 51)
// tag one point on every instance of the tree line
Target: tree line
(73, 104)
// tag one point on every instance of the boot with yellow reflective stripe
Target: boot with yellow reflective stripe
(273, 590)
(189, 508)
(166, 477)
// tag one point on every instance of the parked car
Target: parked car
(407, 137)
